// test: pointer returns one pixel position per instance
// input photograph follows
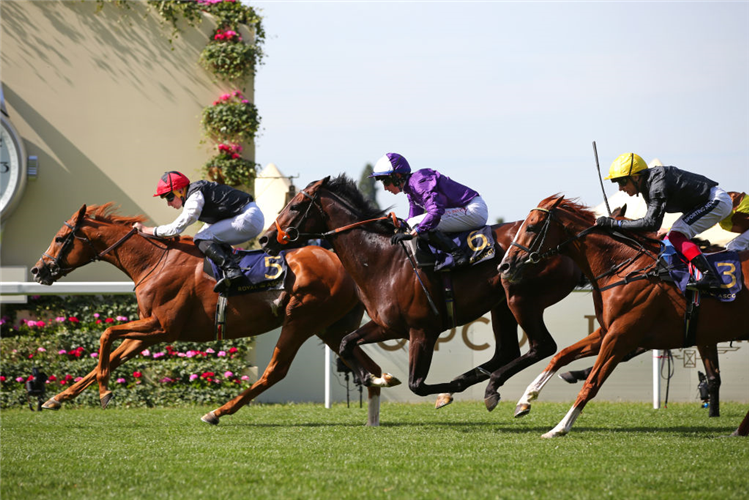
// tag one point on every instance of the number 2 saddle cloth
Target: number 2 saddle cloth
(261, 271)
(476, 244)
(726, 264)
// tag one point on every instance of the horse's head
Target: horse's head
(303, 214)
(66, 252)
(542, 235)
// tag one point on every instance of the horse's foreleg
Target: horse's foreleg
(126, 350)
(613, 349)
(506, 348)
(147, 329)
(743, 429)
(366, 334)
(541, 345)
(589, 346)
(709, 355)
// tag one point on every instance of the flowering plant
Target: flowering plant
(228, 166)
(228, 57)
(231, 118)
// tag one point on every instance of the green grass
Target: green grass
(617, 450)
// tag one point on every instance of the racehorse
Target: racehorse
(176, 301)
(639, 310)
(391, 291)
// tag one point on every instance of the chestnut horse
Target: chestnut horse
(391, 291)
(176, 301)
(639, 310)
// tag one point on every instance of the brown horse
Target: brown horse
(176, 301)
(639, 310)
(398, 306)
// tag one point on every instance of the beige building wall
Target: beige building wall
(108, 105)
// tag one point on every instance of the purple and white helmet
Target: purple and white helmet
(391, 163)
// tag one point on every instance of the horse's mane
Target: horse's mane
(572, 205)
(366, 208)
(108, 213)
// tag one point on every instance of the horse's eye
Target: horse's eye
(59, 239)
(532, 228)
(294, 207)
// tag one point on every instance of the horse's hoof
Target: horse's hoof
(522, 410)
(568, 377)
(492, 401)
(210, 418)
(106, 399)
(553, 434)
(390, 380)
(443, 400)
(52, 404)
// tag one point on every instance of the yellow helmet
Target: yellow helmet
(626, 165)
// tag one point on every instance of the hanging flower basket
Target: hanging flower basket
(231, 118)
(228, 57)
(228, 166)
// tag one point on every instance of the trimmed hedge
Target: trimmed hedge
(65, 347)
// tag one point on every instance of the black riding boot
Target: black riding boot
(441, 240)
(710, 279)
(222, 259)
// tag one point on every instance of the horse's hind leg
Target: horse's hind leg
(589, 346)
(146, 329)
(366, 334)
(507, 348)
(743, 429)
(709, 355)
(126, 350)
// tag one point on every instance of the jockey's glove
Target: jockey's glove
(398, 237)
(607, 222)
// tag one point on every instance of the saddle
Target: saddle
(478, 244)
(261, 271)
(671, 267)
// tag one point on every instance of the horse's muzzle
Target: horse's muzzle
(42, 274)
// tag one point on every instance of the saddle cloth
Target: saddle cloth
(477, 244)
(726, 263)
(261, 271)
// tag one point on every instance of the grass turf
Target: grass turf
(619, 450)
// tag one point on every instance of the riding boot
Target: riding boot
(444, 242)
(223, 260)
(710, 279)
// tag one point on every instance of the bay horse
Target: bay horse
(176, 302)
(639, 310)
(399, 308)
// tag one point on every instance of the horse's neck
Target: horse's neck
(134, 255)
(597, 255)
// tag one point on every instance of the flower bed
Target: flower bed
(65, 347)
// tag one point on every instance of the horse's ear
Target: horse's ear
(325, 180)
(81, 214)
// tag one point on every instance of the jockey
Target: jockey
(738, 222)
(230, 215)
(437, 203)
(668, 189)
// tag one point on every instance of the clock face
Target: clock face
(12, 168)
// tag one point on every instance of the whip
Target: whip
(598, 167)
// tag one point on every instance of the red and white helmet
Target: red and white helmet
(171, 181)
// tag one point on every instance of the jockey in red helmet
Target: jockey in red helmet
(437, 203)
(230, 215)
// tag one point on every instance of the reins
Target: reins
(535, 257)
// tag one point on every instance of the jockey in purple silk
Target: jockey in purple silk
(437, 203)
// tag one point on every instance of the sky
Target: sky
(505, 97)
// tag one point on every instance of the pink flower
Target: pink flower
(19, 379)
(94, 354)
(30, 324)
(73, 319)
(2, 378)
(193, 376)
(42, 349)
(98, 321)
(245, 377)
(210, 351)
(158, 355)
(122, 318)
(96, 315)
(221, 354)
(109, 320)
(52, 378)
(245, 101)
(120, 380)
(78, 379)
(62, 351)
(228, 374)
(145, 352)
(181, 354)
(60, 319)
(190, 354)
(166, 380)
(234, 156)
(137, 374)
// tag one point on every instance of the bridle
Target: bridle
(56, 268)
(534, 256)
(292, 233)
